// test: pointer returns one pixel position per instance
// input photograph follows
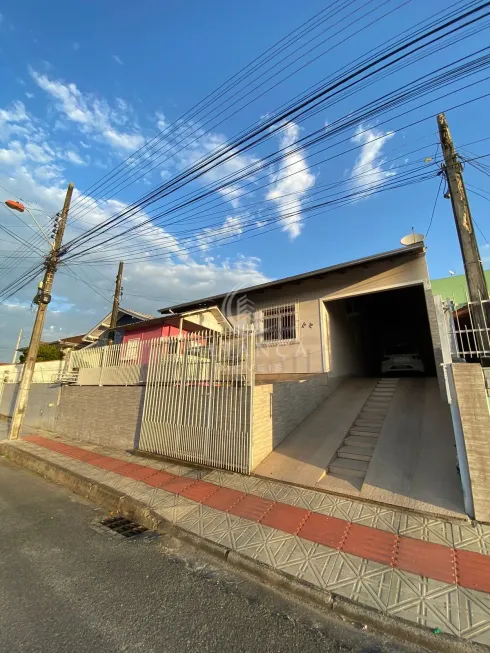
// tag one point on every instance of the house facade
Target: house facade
(338, 320)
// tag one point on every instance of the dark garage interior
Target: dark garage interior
(364, 329)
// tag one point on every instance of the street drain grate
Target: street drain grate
(123, 526)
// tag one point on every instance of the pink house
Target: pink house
(160, 327)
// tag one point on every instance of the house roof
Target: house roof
(105, 322)
(454, 288)
(74, 340)
(171, 319)
(410, 250)
(130, 311)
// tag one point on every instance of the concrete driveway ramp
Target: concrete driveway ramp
(303, 456)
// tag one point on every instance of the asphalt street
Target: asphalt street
(68, 585)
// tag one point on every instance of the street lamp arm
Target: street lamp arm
(18, 206)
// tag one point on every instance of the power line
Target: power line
(347, 124)
(434, 208)
(258, 134)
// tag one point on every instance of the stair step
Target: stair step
(378, 394)
(348, 467)
(372, 430)
(364, 433)
(368, 413)
(369, 422)
(363, 441)
(378, 402)
(355, 453)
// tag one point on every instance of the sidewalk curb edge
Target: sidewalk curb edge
(110, 499)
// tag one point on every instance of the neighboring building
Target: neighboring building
(98, 335)
(454, 288)
(160, 327)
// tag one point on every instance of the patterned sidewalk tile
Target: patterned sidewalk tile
(425, 601)
(360, 580)
(472, 537)
(426, 529)
(474, 610)
(315, 536)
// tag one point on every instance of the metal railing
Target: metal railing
(122, 364)
(198, 398)
(469, 328)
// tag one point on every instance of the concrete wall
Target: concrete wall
(108, 415)
(45, 372)
(343, 353)
(279, 406)
(475, 420)
(486, 374)
(307, 355)
(436, 341)
(42, 406)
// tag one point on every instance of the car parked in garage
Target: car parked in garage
(402, 358)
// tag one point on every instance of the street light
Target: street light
(18, 206)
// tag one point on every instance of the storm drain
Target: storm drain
(123, 526)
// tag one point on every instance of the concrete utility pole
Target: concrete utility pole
(16, 350)
(115, 303)
(42, 300)
(475, 277)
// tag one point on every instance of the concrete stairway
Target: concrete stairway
(353, 456)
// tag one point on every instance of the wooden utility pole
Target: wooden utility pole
(16, 350)
(475, 277)
(42, 300)
(115, 303)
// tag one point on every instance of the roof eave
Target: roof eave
(206, 301)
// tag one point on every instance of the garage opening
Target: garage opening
(384, 333)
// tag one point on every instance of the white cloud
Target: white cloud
(13, 155)
(29, 96)
(291, 182)
(39, 153)
(161, 121)
(33, 158)
(75, 46)
(78, 308)
(230, 229)
(117, 59)
(199, 144)
(368, 163)
(74, 157)
(93, 116)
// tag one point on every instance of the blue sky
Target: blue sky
(82, 88)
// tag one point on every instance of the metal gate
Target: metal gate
(198, 398)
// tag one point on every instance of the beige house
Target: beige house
(335, 320)
(323, 414)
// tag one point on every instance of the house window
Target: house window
(278, 324)
(130, 350)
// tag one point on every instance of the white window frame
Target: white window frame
(130, 350)
(280, 313)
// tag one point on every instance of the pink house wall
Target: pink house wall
(147, 333)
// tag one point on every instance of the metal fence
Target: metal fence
(198, 398)
(469, 329)
(123, 364)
